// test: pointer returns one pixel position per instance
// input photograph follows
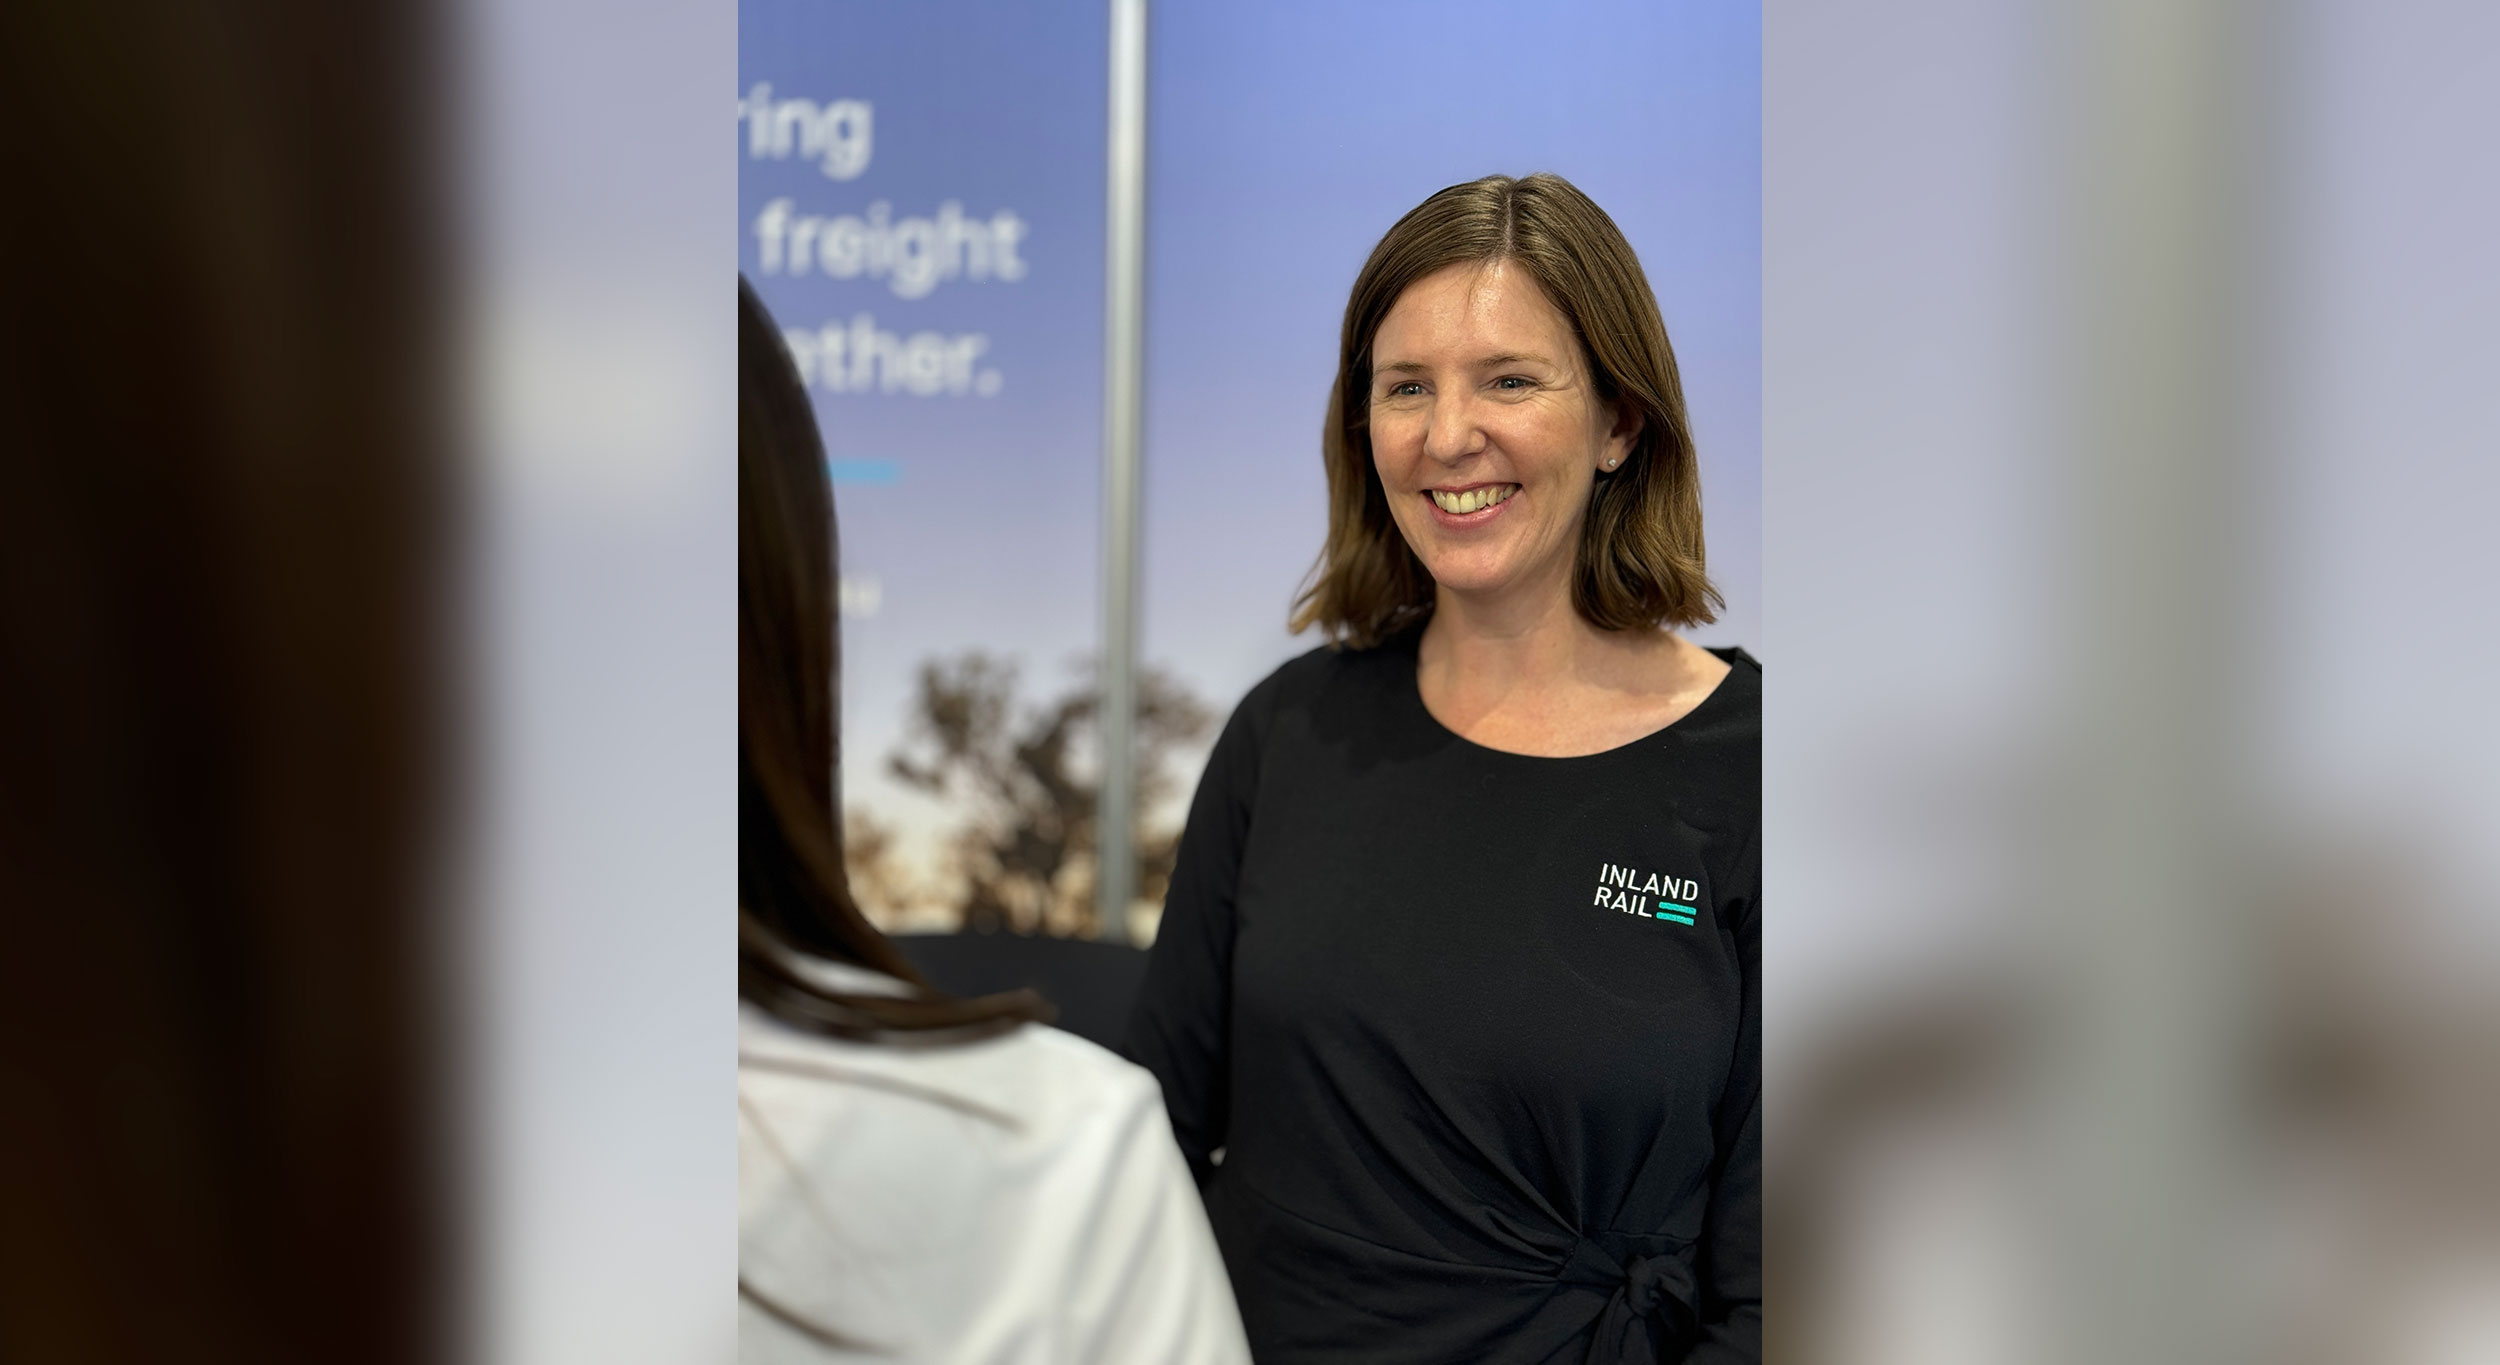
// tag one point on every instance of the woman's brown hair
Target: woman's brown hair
(1640, 562)
(794, 896)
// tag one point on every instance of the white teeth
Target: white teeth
(1473, 500)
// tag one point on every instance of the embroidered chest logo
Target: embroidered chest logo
(1649, 895)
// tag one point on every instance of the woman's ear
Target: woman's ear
(1619, 441)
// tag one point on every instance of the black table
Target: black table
(1093, 984)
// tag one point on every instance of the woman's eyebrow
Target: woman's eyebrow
(1487, 363)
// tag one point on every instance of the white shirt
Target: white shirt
(1012, 1201)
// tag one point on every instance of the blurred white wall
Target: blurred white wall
(598, 212)
(2129, 801)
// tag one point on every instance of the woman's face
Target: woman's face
(1486, 431)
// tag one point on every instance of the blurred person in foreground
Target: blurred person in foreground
(1457, 997)
(919, 1178)
(231, 730)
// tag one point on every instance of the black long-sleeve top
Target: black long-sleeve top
(1477, 1035)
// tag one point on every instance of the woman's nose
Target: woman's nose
(1453, 432)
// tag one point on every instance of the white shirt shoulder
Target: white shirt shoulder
(1018, 1199)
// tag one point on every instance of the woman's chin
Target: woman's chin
(1474, 581)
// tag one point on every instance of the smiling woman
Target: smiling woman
(1520, 291)
(1445, 1104)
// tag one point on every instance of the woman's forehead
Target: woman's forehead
(1474, 310)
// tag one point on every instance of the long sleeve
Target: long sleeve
(1731, 1251)
(1181, 1027)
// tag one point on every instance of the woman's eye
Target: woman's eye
(1511, 382)
(1408, 389)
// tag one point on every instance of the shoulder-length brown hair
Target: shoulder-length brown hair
(1640, 561)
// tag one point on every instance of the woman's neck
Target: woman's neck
(1535, 677)
(1511, 644)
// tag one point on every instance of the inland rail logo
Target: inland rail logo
(1648, 895)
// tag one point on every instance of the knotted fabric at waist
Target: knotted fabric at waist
(1651, 1293)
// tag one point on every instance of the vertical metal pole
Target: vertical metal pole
(2147, 897)
(1124, 337)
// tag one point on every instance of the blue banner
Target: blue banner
(921, 206)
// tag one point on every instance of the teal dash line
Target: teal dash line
(865, 471)
(1671, 908)
(1680, 919)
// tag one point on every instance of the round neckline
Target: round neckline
(1411, 672)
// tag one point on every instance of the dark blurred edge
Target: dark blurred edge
(1092, 983)
(222, 579)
